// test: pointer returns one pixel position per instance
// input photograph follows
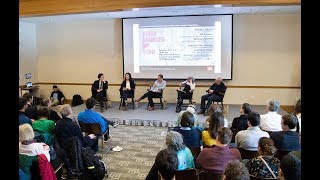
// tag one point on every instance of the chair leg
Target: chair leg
(222, 105)
(161, 103)
(133, 105)
(120, 103)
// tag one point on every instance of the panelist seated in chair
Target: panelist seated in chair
(127, 88)
(186, 89)
(56, 96)
(89, 116)
(155, 91)
(99, 90)
(214, 93)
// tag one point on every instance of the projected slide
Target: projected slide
(177, 47)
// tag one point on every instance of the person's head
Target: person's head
(127, 76)
(55, 88)
(216, 120)
(266, 147)
(273, 105)
(224, 135)
(174, 141)
(43, 112)
(101, 76)
(218, 80)
(191, 78)
(213, 108)
(25, 132)
(236, 170)
(90, 103)
(160, 77)
(29, 97)
(66, 110)
(253, 118)
(245, 108)
(23, 104)
(187, 119)
(166, 163)
(46, 102)
(290, 167)
(289, 122)
(297, 108)
(191, 108)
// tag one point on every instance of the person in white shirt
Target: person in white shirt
(155, 91)
(297, 113)
(248, 139)
(185, 91)
(271, 121)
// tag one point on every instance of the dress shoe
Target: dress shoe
(151, 108)
(201, 112)
(115, 124)
(124, 108)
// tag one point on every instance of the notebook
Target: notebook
(29, 84)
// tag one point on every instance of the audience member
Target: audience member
(99, 90)
(53, 115)
(89, 116)
(288, 139)
(209, 136)
(191, 108)
(66, 128)
(271, 121)
(214, 94)
(241, 122)
(43, 124)
(185, 93)
(174, 142)
(297, 113)
(215, 159)
(56, 96)
(290, 168)
(155, 91)
(23, 118)
(235, 170)
(127, 89)
(265, 165)
(31, 111)
(248, 139)
(216, 108)
(167, 163)
(191, 135)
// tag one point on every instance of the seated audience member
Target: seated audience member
(174, 142)
(155, 91)
(271, 121)
(56, 96)
(66, 128)
(31, 111)
(191, 135)
(214, 94)
(23, 118)
(167, 163)
(99, 90)
(288, 139)
(290, 168)
(188, 87)
(127, 89)
(53, 115)
(89, 116)
(43, 124)
(209, 136)
(215, 159)
(297, 113)
(258, 167)
(241, 122)
(248, 139)
(235, 170)
(216, 108)
(191, 108)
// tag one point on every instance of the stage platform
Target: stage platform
(162, 118)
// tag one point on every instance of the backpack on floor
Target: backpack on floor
(76, 100)
(95, 169)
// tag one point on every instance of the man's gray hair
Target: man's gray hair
(273, 105)
(174, 141)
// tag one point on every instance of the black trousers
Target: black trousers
(182, 95)
(125, 95)
(106, 136)
(150, 95)
(100, 97)
(211, 98)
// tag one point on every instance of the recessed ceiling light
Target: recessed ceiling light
(135, 9)
(217, 5)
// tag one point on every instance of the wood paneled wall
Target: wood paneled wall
(29, 8)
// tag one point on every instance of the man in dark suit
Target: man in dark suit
(99, 90)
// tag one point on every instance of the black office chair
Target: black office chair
(221, 99)
(179, 108)
(132, 102)
(158, 104)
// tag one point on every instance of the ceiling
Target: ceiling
(168, 11)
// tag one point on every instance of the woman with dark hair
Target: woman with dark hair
(265, 165)
(127, 89)
(209, 136)
(297, 113)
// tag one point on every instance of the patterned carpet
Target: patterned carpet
(140, 146)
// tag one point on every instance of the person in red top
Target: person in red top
(216, 159)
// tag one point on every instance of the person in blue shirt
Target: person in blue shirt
(23, 118)
(89, 116)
